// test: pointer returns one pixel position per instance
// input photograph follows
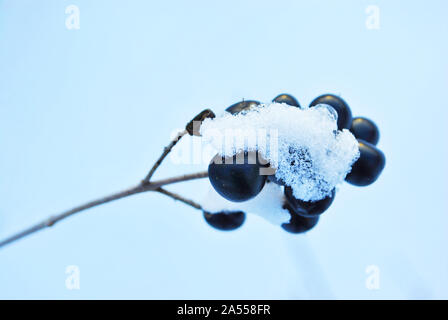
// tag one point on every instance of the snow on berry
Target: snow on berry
(305, 146)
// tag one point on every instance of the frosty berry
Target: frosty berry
(338, 104)
(313, 156)
(309, 209)
(242, 106)
(237, 178)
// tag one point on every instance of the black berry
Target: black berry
(237, 178)
(309, 209)
(297, 223)
(225, 221)
(288, 99)
(339, 105)
(368, 167)
(365, 129)
(242, 105)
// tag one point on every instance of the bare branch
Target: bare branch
(159, 183)
(142, 187)
(145, 185)
(165, 152)
(176, 196)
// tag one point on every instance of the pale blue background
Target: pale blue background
(85, 112)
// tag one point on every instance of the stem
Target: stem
(165, 152)
(176, 196)
(142, 187)
(185, 177)
(145, 185)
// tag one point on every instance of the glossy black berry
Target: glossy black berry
(288, 99)
(365, 129)
(297, 223)
(225, 221)
(368, 167)
(309, 209)
(339, 105)
(242, 105)
(237, 178)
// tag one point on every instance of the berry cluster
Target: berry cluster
(242, 176)
(238, 178)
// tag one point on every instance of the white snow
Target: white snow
(267, 204)
(304, 145)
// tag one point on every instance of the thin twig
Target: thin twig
(176, 196)
(142, 187)
(165, 152)
(185, 177)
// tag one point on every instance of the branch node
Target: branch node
(50, 222)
